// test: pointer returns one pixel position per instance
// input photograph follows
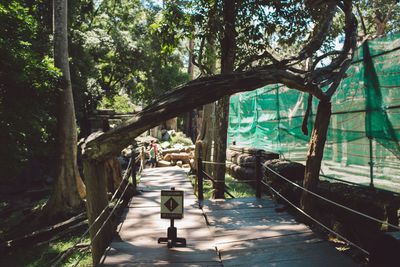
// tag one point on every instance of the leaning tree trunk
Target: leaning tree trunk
(228, 49)
(315, 154)
(68, 189)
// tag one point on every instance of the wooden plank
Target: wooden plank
(135, 243)
(302, 250)
(249, 232)
(236, 203)
(222, 235)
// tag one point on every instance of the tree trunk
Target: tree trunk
(380, 21)
(68, 188)
(205, 135)
(113, 172)
(220, 139)
(315, 154)
(207, 124)
(96, 180)
(228, 50)
(187, 119)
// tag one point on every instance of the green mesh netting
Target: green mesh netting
(365, 123)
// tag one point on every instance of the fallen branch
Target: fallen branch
(43, 234)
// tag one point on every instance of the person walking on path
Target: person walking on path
(153, 154)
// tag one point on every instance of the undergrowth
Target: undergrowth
(235, 187)
(42, 254)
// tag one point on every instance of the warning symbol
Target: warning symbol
(171, 204)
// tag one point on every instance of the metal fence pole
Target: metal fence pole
(133, 155)
(200, 178)
(258, 173)
(371, 163)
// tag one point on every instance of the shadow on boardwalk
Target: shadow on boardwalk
(240, 232)
(135, 243)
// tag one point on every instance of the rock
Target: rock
(165, 145)
(185, 157)
(191, 162)
(170, 150)
(171, 132)
(163, 163)
(167, 157)
(127, 152)
(188, 149)
(178, 146)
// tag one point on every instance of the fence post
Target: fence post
(371, 164)
(200, 179)
(143, 158)
(133, 155)
(258, 173)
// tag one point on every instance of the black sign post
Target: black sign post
(172, 208)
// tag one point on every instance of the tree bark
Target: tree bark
(207, 124)
(228, 50)
(220, 139)
(315, 154)
(187, 119)
(113, 172)
(193, 94)
(382, 22)
(68, 189)
(205, 135)
(96, 180)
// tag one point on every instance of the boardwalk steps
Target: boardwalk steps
(240, 232)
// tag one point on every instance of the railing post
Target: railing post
(258, 173)
(371, 164)
(133, 155)
(143, 159)
(200, 179)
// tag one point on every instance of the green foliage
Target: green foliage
(181, 138)
(43, 255)
(236, 188)
(120, 103)
(370, 9)
(28, 83)
(115, 53)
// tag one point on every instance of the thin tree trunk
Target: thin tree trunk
(205, 135)
(68, 188)
(228, 49)
(315, 154)
(382, 22)
(220, 137)
(187, 119)
(207, 124)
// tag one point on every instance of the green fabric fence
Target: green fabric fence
(363, 138)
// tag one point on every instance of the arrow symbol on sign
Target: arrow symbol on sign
(171, 204)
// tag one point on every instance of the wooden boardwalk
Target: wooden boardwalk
(135, 243)
(249, 232)
(237, 232)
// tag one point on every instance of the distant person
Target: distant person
(153, 154)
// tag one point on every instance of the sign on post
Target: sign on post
(171, 204)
